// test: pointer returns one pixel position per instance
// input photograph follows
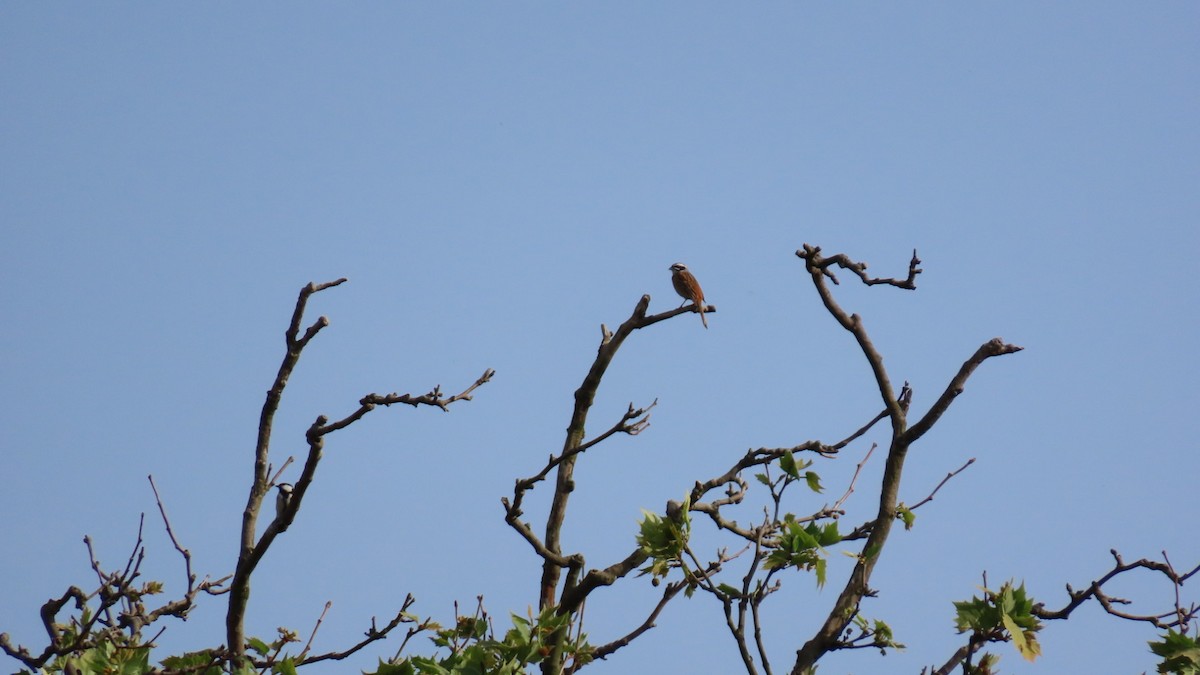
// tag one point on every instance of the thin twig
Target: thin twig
(373, 635)
(311, 637)
(286, 464)
(857, 469)
(187, 555)
(945, 480)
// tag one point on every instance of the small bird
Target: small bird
(688, 288)
(282, 500)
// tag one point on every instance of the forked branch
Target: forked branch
(252, 551)
(549, 546)
(857, 586)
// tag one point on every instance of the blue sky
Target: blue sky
(496, 182)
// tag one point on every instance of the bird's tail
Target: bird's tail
(700, 306)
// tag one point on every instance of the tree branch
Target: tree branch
(993, 347)
(239, 590)
(1095, 591)
(856, 587)
(669, 592)
(252, 552)
(573, 446)
(818, 269)
(373, 634)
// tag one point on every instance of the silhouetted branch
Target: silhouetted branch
(101, 625)
(603, 651)
(1095, 591)
(239, 589)
(902, 437)
(993, 347)
(182, 606)
(860, 268)
(549, 547)
(312, 636)
(945, 480)
(854, 479)
(251, 552)
(818, 268)
(373, 634)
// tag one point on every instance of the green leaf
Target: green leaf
(1181, 653)
(1018, 637)
(762, 478)
(814, 481)
(802, 547)
(884, 636)
(520, 630)
(975, 615)
(904, 513)
(95, 660)
(788, 464)
(133, 661)
(729, 590)
(1010, 608)
(402, 668)
(285, 667)
(1173, 643)
(258, 646)
(190, 661)
(829, 534)
(663, 539)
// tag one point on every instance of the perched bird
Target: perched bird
(282, 500)
(688, 288)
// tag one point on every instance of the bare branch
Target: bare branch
(57, 645)
(564, 483)
(574, 596)
(633, 422)
(865, 428)
(856, 587)
(860, 269)
(945, 480)
(818, 268)
(854, 479)
(433, 398)
(277, 474)
(187, 555)
(993, 347)
(251, 552)
(181, 607)
(313, 635)
(239, 589)
(316, 443)
(549, 547)
(373, 634)
(669, 592)
(1178, 615)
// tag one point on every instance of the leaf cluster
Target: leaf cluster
(664, 539)
(1007, 613)
(473, 650)
(1180, 653)
(803, 547)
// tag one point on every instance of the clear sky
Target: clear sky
(496, 181)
